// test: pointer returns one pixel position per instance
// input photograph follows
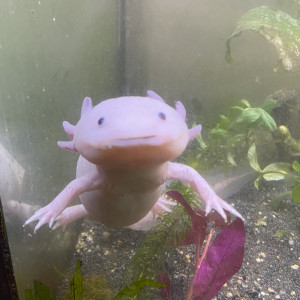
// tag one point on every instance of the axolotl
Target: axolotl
(125, 146)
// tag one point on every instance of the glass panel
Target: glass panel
(52, 55)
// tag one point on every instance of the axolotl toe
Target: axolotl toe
(125, 146)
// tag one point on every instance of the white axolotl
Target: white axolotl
(125, 146)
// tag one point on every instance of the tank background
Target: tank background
(53, 54)
(179, 51)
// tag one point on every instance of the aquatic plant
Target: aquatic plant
(278, 28)
(229, 141)
(233, 142)
(92, 287)
(283, 31)
(95, 287)
(77, 283)
(276, 172)
(40, 291)
(240, 133)
(217, 263)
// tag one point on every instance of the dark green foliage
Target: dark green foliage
(92, 287)
(255, 118)
(40, 292)
(296, 194)
(234, 141)
(231, 138)
(283, 31)
(277, 172)
(134, 288)
(296, 166)
(76, 283)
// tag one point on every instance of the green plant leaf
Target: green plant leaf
(281, 167)
(76, 283)
(248, 116)
(268, 105)
(235, 110)
(256, 182)
(296, 166)
(273, 176)
(134, 288)
(245, 103)
(252, 157)
(40, 292)
(224, 122)
(257, 116)
(219, 133)
(267, 121)
(277, 171)
(231, 159)
(276, 27)
(201, 142)
(276, 201)
(296, 194)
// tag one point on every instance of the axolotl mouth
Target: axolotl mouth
(136, 141)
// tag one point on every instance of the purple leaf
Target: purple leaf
(188, 239)
(198, 233)
(218, 219)
(224, 258)
(165, 291)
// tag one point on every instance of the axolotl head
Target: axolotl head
(131, 130)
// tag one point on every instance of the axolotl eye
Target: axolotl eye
(162, 115)
(101, 121)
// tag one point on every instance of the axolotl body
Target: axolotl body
(125, 146)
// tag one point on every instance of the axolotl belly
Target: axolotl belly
(125, 146)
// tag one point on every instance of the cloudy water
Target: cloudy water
(55, 53)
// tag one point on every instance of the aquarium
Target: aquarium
(234, 67)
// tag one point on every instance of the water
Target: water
(46, 50)
(53, 54)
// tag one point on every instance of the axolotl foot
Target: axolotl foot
(220, 206)
(69, 215)
(186, 174)
(48, 215)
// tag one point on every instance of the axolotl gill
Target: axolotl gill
(125, 146)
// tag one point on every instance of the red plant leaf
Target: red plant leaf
(165, 291)
(198, 233)
(224, 258)
(188, 239)
(218, 219)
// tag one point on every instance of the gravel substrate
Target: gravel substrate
(271, 263)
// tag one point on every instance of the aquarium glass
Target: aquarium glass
(233, 64)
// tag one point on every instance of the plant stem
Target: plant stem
(198, 264)
(199, 261)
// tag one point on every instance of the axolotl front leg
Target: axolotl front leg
(51, 212)
(186, 174)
